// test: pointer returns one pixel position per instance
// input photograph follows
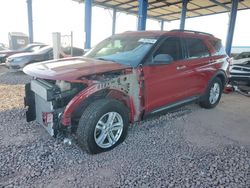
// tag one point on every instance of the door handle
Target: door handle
(181, 67)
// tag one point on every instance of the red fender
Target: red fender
(89, 91)
(71, 106)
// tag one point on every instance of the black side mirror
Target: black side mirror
(162, 59)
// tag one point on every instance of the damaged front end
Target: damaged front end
(46, 100)
(58, 104)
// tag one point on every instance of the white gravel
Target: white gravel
(156, 153)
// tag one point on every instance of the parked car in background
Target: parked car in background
(125, 79)
(240, 70)
(240, 73)
(242, 58)
(76, 51)
(29, 48)
(18, 61)
(3, 48)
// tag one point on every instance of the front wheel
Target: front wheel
(212, 95)
(103, 126)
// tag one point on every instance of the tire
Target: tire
(93, 126)
(207, 101)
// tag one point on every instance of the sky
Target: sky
(66, 15)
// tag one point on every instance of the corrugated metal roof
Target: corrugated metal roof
(170, 10)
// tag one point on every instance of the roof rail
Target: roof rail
(191, 31)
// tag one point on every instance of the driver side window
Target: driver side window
(172, 47)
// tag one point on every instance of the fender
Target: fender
(222, 75)
(66, 117)
(125, 88)
(96, 91)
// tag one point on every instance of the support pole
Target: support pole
(114, 22)
(30, 20)
(183, 14)
(56, 39)
(142, 14)
(230, 32)
(88, 15)
(162, 25)
(220, 4)
(71, 43)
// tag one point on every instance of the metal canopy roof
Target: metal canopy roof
(169, 10)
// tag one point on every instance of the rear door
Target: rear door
(166, 83)
(198, 63)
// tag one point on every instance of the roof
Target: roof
(175, 32)
(169, 10)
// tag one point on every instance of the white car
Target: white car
(242, 58)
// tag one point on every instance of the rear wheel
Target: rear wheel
(102, 126)
(212, 95)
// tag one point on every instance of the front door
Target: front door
(166, 82)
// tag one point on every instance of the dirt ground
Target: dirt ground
(192, 147)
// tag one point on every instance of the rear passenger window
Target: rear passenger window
(196, 48)
(219, 50)
(172, 47)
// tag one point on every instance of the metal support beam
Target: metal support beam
(230, 32)
(220, 4)
(162, 25)
(30, 20)
(183, 14)
(142, 14)
(192, 10)
(114, 21)
(88, 16)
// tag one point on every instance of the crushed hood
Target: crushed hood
(71, 68)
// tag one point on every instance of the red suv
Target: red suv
(124, 79)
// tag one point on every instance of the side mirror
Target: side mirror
(162, 59)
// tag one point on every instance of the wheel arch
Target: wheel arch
(80, 102)
(101, 94)
(219, 74)
(222, 76)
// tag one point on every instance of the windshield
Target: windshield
(2, 48)
(31, 48)
(27, 48)
(128, 50)
(44, 50)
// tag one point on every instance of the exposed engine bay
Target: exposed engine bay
(46, 100)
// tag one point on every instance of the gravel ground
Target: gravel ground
(159, 152)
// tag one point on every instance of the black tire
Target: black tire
(88, 121)
(205, 102)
